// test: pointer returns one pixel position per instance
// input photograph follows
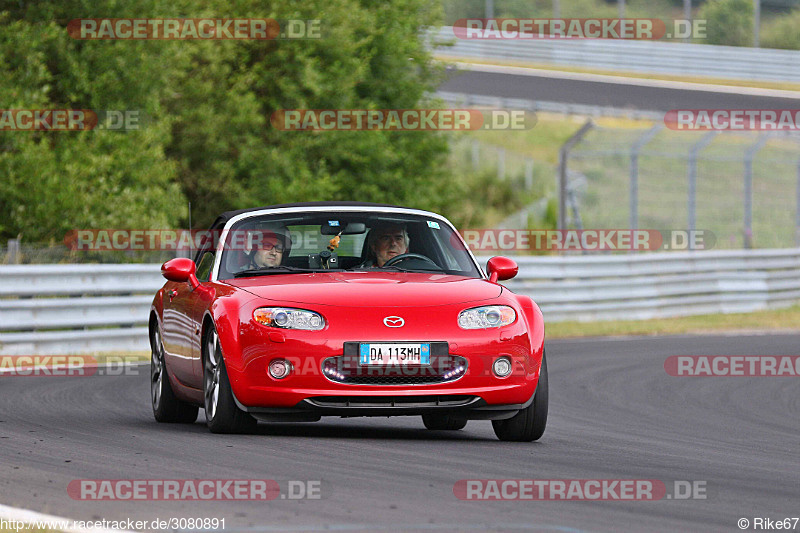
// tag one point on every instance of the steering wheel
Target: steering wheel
(402, 257)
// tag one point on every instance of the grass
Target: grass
(758, 84)
(779, 320)
(603, 157)
(540, 143)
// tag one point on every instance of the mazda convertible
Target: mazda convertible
(293, 312)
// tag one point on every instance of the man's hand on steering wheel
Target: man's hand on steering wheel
(403, 257)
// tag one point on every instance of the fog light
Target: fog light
(280, 368)
(502, 367)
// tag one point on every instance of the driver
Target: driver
(268, 252)
(387, 241)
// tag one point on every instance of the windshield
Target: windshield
(322, 241)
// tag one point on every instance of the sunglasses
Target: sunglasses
(269, 246)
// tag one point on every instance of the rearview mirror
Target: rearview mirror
(352, 228)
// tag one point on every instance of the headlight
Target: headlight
(288, 318)
(490, 316)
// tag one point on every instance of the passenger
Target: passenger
(268, 253)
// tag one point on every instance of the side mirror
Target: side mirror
(181, 270)
(501, 268)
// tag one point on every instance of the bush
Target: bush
(783, 32)
(730, 22)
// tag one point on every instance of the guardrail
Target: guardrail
(106, 308)
(51, 309)
(658, 285)
(653, 57)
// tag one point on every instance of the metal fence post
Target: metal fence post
(687, 15)
(756, 23)
(563, 156)
(13, 252)
(634, 184)
(797, 209)
(692, 200)
(528, 174)
(749, 155)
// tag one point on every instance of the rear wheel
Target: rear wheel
(166, 407)
(222, 413)
(443, 422)
(527, 425)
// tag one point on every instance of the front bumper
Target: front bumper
(249, 353)
(468, 407)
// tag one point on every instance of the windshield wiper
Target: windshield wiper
(273, 270)
(392, 268)
(374, 269)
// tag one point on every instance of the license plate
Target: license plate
(383, 354)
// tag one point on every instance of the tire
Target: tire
(222, 413)
(528, 425)
(443, 422)
(166, 407)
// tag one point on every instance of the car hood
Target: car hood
(386, 289)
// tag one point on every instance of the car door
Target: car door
(199, 300)
(177, 329)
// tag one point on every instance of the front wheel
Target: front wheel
(527, 425)
(222, 413)
(166, 407)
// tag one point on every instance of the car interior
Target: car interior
(336, 242)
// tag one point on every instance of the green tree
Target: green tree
(51, 182)
(207, 137)
(369, 56)
(730, 22)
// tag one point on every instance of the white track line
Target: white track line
(621, 80)
(32, 517)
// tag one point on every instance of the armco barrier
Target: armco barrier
(653, 57)
(642, 286)
(50, 309)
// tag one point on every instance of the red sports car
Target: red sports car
(293, 312)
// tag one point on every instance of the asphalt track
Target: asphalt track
(614, 414)
(595, 93)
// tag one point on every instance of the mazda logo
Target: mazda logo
(393, 322)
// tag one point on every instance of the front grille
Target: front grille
(392, 401)
(443, 369)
